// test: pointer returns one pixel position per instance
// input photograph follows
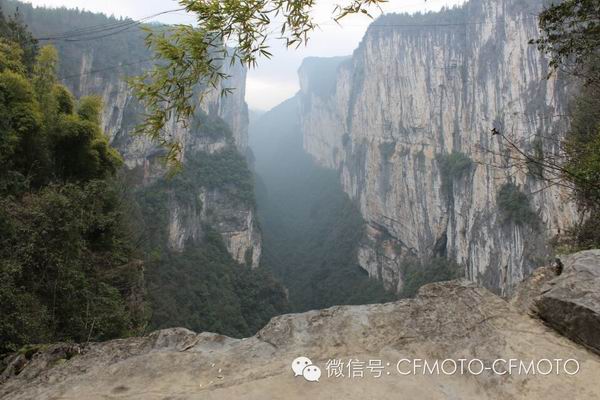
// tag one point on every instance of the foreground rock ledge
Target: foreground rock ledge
(448, 320)
(570, 303)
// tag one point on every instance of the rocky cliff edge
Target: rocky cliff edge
(453, 320)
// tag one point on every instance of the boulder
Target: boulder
(570, 303)
(528, 291)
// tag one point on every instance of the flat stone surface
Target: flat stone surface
(450, 320)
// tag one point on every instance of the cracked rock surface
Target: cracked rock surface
(450, 320)
(570, 303)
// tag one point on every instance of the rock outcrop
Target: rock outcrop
(454, 320)
(529, 290)
(570, 303)
(408, 120)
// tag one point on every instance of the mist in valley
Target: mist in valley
(191, 209)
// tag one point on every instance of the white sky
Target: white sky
(275, 80)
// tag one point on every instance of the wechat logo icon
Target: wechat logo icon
(302, 366)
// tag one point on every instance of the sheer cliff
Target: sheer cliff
(407, 121)
(98, 63)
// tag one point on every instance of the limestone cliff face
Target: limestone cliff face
(119, 114)
(410, 97)
(233, 220)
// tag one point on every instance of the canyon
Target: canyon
(407, 123)
(234, 220)
(396, 156)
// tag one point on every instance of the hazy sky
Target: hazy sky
(274, 80)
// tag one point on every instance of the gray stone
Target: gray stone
(409, 96)
(234, 220)
(570, 303)
(528, 291)
(450, 320)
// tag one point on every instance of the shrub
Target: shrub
(60, 249)
(204, 289)
(515, 205)
(67, 262)
(226, 170)
(453, 167)
(535, 166)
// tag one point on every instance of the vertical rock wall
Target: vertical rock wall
(412, 96)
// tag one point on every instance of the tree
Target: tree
(190, 59)
(13, 30)
(21, 147)
(45, 72)
(11, 56)
(67, 270)
(570, 35)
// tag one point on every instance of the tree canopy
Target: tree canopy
(67, 267)
(84, 255)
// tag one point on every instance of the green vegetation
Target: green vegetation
(535, 166)
(453, 167)
(515, 206)
(66, 266)
(18, 40)
(192, 59)
(67, 269)
(447, 15)
(226, 170)
(417, 274)
(194, 55)
(123, 46)
(203, 289)
(73, 234)
(315, 255)
(211, 126)
(583, 167)
(570, 36)
(311, 229)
